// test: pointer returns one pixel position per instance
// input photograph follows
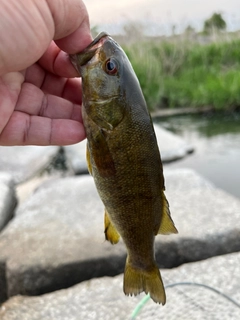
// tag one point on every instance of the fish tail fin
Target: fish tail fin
(137, 280)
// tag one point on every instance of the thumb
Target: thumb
(31, 25)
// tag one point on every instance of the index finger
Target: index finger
(31, 25)
(56, 59)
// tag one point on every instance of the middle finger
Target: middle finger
(66, 88)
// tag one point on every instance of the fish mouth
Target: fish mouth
(80, 59)
(104, 101)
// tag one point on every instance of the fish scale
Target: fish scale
(124, 160)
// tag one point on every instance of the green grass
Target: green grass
(185, 74)
(148, 71)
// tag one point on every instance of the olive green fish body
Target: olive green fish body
(124, 160)
(129, 182)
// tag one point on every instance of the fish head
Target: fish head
(108, 80)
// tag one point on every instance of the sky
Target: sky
(160, 15)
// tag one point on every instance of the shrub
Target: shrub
(187, 73)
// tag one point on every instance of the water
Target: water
(216, 138)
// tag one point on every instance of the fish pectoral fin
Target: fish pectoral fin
(102, 155)
(88, 160)
(167, 225)
(110, 231)
(139, 280)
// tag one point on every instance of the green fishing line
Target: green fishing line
(143, 302)
(139, 306)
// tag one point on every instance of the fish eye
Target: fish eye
(111, 66)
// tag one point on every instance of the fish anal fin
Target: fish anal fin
(138, 280)
(88, 160)
(167, 225)
(110, 231)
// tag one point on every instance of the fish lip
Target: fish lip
(82, 58)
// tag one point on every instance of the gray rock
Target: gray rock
(8, 199)
(56, 238)
(76, 157)
(25, 161)
(103, 299)
(171, 147)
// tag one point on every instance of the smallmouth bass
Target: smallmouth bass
(124, 160)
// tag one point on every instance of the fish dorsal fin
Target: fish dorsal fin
(111, 233)
(167, 225)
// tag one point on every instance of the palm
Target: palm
(41, 108)
(41, 104)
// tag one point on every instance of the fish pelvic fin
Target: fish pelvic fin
(167, 225)
(89, 166)
(110, 231)
(148, 281)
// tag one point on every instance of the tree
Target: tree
(189, 30)
(216, 22)
(134, 30)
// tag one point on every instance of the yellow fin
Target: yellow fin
(111, 233)
(167, 225)
(88, 160)
(139, 280)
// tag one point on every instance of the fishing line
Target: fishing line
(143, 302)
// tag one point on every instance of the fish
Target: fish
(124, 160)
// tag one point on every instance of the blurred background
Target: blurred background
(186, 56)
(160, 16)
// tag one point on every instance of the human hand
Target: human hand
(39, 104)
